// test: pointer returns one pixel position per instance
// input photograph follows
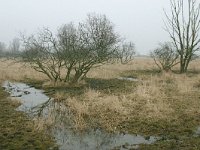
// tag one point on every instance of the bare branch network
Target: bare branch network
(76, 49)
(183, 27)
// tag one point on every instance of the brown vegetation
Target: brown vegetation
(17, 130)
(158, 103)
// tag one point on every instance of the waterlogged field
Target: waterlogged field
(128, 99)
(17, 130)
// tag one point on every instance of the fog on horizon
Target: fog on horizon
(140, 21)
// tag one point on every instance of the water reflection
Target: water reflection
(35, 102)
(99, 140)
(29, 96)
(128, 78)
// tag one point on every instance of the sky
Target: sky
(139, 21)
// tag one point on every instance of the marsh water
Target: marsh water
(128, 78)
(36, 103)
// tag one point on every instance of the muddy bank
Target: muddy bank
(34, 101)
(17, 130)
(172, 135)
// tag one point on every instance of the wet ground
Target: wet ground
(128, 78)
(35, 102)
(17, 130)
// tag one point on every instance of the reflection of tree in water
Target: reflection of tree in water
(62, 129)
(39, 110)
(58, 119)
(55, 111)
(88, 140)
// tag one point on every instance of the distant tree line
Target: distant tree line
(13, 50)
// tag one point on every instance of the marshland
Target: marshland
(165, 105)
(86, 86)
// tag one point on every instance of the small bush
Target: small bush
(165, 56)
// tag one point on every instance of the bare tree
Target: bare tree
(2, 46)
(126, 52)
(165, 56)
(98, 44)
(3, 50)
(15, 46)
(42, 54)
(183, 27)
(75, 50)
(69, 47)
(91, 44)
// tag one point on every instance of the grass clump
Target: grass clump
(162, 104)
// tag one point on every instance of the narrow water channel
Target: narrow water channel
(35, 102)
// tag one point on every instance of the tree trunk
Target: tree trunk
(183, 68)
(184, 65)
(76, 77)
(183, 28)
(69, 69)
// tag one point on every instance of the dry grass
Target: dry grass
(106, 110)
(114, 70)
(17, 71)
(159, 97)
(186, 84)
(151, 95)
(15, 102)
(156, 96)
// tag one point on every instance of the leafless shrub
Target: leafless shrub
(42, 54)
(98, 44)
(126, 52)
(183, 26)
(76, 49)
(165, 56)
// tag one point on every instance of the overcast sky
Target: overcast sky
(140, 21)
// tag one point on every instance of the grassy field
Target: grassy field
(160, 104)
